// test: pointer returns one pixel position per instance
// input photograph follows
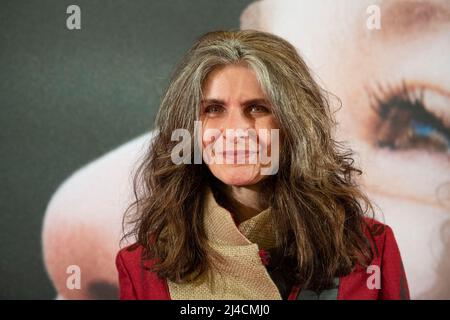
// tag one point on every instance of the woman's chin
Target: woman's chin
(239, 175)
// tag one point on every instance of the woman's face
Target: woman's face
(237, 121)
(394, 84)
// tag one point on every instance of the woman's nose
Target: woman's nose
(237, 119)
(237, 126)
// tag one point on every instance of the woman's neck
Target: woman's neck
(244, 202)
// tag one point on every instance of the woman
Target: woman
(282, 220)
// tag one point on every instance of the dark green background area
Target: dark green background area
(67, 97)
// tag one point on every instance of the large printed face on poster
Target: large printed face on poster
(388, 63)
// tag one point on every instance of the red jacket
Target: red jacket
(139, 283)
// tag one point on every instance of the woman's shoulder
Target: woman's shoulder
(135, 279)
(130, 253)
(384, 277)
(133, 260)
(378, 233)
(132, 257)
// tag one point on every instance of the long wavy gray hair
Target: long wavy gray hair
(317, 207)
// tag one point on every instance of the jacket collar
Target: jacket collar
(221, 228)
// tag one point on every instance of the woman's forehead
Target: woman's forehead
(232, 83)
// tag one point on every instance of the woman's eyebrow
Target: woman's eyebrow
(245, 103)
(408, 17)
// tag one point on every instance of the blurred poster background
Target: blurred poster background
(77, 109)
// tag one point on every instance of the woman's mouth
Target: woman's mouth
(234, 156)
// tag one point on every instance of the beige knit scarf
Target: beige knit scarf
(241, 275)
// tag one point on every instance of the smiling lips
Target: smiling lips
(238, 153)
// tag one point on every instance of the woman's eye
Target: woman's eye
(405, 123)
(213, 109)
(258, 109)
